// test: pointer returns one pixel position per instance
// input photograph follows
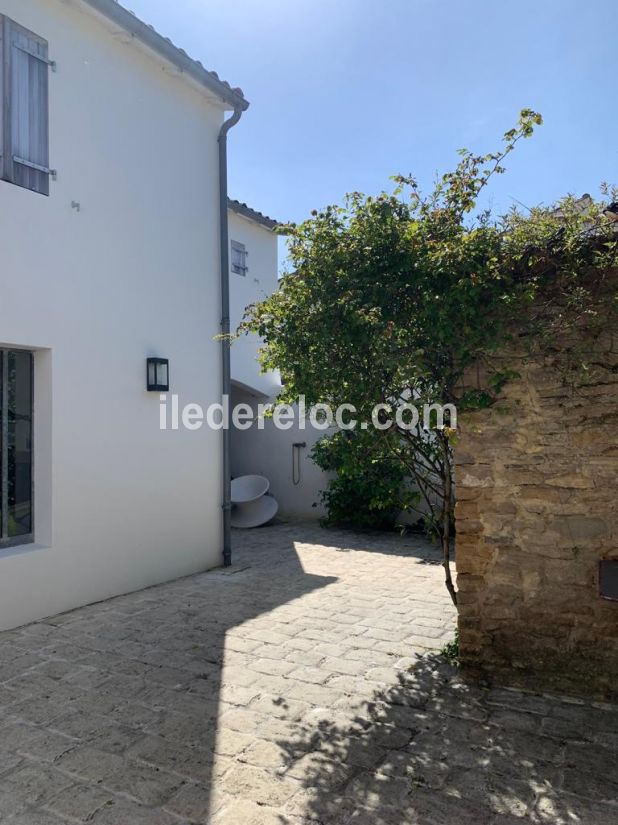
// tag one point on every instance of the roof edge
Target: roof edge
(246, 212)
(113, 11)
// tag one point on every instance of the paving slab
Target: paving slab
(303, 685)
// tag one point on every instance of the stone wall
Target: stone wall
(537, 488)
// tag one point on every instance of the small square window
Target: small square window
(239, 258)
(608, 579)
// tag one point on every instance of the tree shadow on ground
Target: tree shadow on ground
(434, 750)
(153, 701)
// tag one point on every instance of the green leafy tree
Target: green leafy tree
(391, 298)
(370, 487)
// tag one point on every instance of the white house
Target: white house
(282, 456)
(254, 268)
(112, 180)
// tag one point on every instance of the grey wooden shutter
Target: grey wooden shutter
(239, 258)
(26, 110)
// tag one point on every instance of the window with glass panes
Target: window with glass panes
(16, 524)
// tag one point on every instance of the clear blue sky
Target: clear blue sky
(345, 93)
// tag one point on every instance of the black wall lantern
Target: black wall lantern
(157, 374)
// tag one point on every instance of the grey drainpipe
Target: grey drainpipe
(226, 382)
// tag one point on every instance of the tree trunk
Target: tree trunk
(448, 507)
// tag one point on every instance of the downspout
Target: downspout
(226, 380)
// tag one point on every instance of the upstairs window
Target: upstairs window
(239, 258)
(24, 110)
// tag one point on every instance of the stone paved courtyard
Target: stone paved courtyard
(302, 686)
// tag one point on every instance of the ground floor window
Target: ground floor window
(16, 524)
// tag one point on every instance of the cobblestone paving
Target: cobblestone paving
(302, 686)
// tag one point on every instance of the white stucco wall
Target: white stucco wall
(260, 281)
(118, 503)
(268, 452)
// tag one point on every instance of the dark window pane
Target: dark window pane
(19, 443)
(608, 578)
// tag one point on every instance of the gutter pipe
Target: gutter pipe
(226, 380)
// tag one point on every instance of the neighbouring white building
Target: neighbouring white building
(254, 268)
(111, 223)
(295, 481)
